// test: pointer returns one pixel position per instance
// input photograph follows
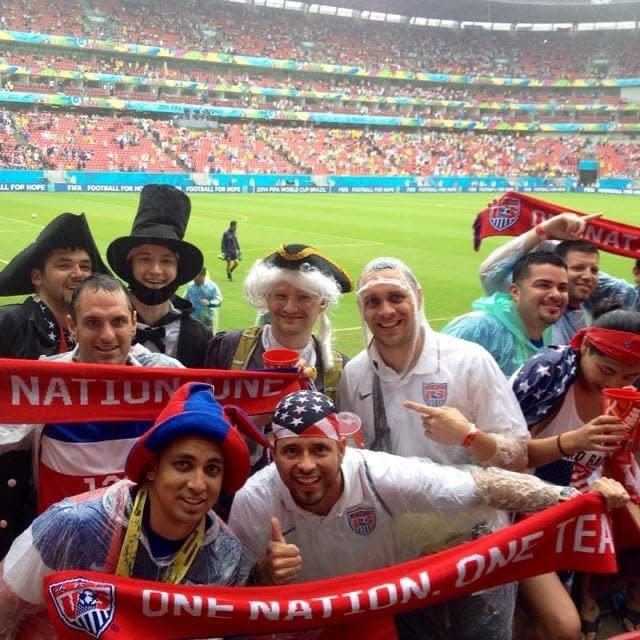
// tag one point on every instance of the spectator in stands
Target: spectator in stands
(230, 248)
(587, 284)
(176, 472)
(514, 326)
(50, 269)
(83, 457)
(560, 392)
(316, 479)
(206, 298)
(155, 260)
(297, 285)
(636, 274)
(423, 393)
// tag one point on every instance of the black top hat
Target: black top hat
(66, 231)
(162, 219)
(293, 256)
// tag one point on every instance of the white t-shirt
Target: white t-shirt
(367, 528)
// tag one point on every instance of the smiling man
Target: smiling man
(297, 286)
(154, 261)
(587, 284)
(513, 326)
(146, 527)
(74, 458)
(50, 269)
(324, 509)
(423, 393)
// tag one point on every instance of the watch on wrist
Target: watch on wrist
(566, 493)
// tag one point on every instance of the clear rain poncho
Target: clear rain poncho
(87, 532)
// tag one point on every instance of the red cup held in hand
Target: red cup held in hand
(280, 358)
(625, 404)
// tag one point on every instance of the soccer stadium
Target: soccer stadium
(228, 97)
(362, 128)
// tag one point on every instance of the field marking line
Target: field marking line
(31, 224)
(4, 261)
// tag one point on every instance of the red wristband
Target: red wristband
(471, 435)
(540, 231)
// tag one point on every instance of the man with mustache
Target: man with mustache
(587, 284)
(513, 326)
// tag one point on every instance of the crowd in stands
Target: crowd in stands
(155, 73)
(200, 25)
(254, 31)
(96, 142)
(72, 141)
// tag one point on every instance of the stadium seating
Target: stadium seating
(76, 139)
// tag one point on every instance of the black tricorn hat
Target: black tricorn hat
(293, 256)
(162, 219)
(66, 231)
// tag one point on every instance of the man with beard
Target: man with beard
(324, 509)
(154, 261)
(513, 326)
(49, 269)
(587, 284)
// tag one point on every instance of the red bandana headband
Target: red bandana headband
(619, 345)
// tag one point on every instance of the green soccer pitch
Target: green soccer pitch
(430, 232)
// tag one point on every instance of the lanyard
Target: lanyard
(174, 573)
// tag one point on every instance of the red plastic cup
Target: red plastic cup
(280, 358)
(351, 428)
(624, 403)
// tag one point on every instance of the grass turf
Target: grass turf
(430, 232)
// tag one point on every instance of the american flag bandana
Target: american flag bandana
(306, 413)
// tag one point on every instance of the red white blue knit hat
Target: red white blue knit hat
(194, 411)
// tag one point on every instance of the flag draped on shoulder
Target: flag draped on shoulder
(515, 213)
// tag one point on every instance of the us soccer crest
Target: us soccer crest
(504, 214)
(84, 605)
(362, 520)
(434, 394)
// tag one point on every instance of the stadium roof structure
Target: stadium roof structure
(513, 11)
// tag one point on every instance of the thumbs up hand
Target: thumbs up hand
(282, 561)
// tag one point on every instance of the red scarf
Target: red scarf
(515, 213)
(49, 391)
(573, 535)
